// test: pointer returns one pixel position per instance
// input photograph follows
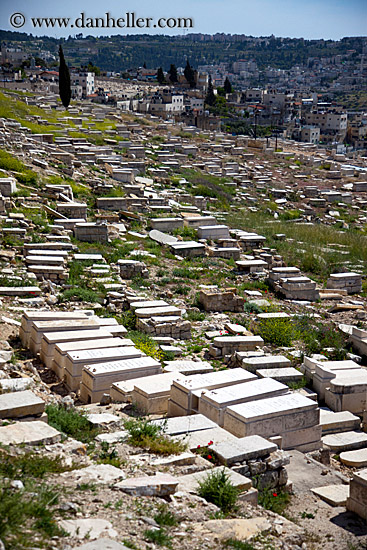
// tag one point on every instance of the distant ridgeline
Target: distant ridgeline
(118, 53)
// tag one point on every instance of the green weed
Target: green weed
(149, 436)
(159, 537)
(71, 422)
(218, 489)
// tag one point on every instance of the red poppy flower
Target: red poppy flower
(198, 446)
(275, 495)
(210, 457)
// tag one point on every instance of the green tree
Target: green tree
(64, 80)
(93, 69)
(189, 74)
(227, 86)
(160, 76)
(173, 73)
(210, 97)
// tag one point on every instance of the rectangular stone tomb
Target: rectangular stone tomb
(226, 345)
(309, 365)
(199, 221)
(206, 438)
(286, 376)
(61, 349)
(348, 392)
(294, 417)
(327, 371)
(279, 272)
(214, 403)
(39, 328)
(29, 433)
(336, 422)
(251, 266)
(187, 248)
(345, 441)
(121, 392)
(76, 360)
(150, 394)
(20, 291)
(188, 367)
(29, 316)
(252, 364)
(351, 282)
(143, 312)
(166, 224)
(243, 449)
(20, 404)
(213, 232)
(357, 500)
(144, 304)
(51, 339)
(186, 392)
(185, 424)
(45, 260)
(98, 379)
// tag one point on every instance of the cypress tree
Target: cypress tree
(64, 80)
(227, 86)
(173, 74)
(189, 74)
(210, 97)
(160, 75)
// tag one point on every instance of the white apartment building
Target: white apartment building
(328, 122)
(85, 80)
(254, 94)
(310, 134)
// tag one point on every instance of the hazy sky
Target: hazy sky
(294, 18)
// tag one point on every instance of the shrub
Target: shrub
(319, 337)
(248, 307)
(158, 536)
(71, 422)
(164, 517)
(146, 344)
(239, 545)
(195, 315)
(184, 273)
(186, 232)
(140, 430)
(274, 500)
(218, 489)
(30, 465)
(279, 332)
(6, 281)
(138, 282)
(108, 456)
(78, 294)
(127, 319)
(182, 290)
(23, 174)
(150, 436)
(29, 510)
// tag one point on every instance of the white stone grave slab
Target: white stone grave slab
(213, 403)
(20, 404)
